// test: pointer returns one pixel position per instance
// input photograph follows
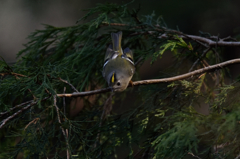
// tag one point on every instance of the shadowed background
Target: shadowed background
(19, 18)
(217, 17)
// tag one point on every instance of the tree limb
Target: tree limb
(19, 111)
(196, 62)
(65, 134)
(12, 73)
(154, 81)
(65, 81)
(208, 41)
(17, 106)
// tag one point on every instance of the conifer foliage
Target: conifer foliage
(162, 121)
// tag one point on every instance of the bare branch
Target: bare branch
(12, 73)
(65, 81)
(208, 41)
(190, 153)
(103, 90)
(17, 106)
(33, 121)
(214, 43)
(15, 114)
(106, 111)
(196, 62)
(21, 110)
(154, 81)
(64, 102)
(59, 121)
(57, 110)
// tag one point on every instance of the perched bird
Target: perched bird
(118, 67)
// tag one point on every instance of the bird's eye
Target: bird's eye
(118, 83)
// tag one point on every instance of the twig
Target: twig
(34, 97)
(208, 41)
(163, 80)
(104, 113)
(238, 156)
(16, 76)
(190, 153)
(64, 107)
(214, 43)
(59, 121)
(196, 62)
(21, 110)
(15, 114)
(64, 102)
(12, 73)
(33, 121)
(65, 81)
(103, 90)
(68, 155)
(17, 106)
(181, 35)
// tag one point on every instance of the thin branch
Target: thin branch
(208, 41)
(64, 107)
(103, 90)
(59, 121)
(12, 73)
(17, 106)
(163, 80)
(196, 62)
(68, 155)
(15, 114)
(16, 76)
(213, 43)
(65, 81)
(106, 110)
(21, 110)
(238, 156)
(64, 102)
(33, 121)
(190, 153)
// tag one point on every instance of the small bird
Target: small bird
(118, 67)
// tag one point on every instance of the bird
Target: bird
(118, 67)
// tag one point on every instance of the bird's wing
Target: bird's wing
(128, 54)
(110, 54)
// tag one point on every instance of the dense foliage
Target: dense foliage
(161, 120)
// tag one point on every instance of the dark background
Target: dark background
(217, 17)
(19, 18)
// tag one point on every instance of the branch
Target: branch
(17, 106)
(12, 73)
(190, 153)
(154, 81)
(15, 114)
(214, 43)
(103, 90)
(196, 62)
(106, 111)
(208, 41)
(65, 81)
(34, 121)
(21, 110)
(59, 121)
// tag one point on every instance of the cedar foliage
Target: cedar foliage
(162, 123)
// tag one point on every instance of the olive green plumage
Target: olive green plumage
(118, 67)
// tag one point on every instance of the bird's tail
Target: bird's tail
(116, 40)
